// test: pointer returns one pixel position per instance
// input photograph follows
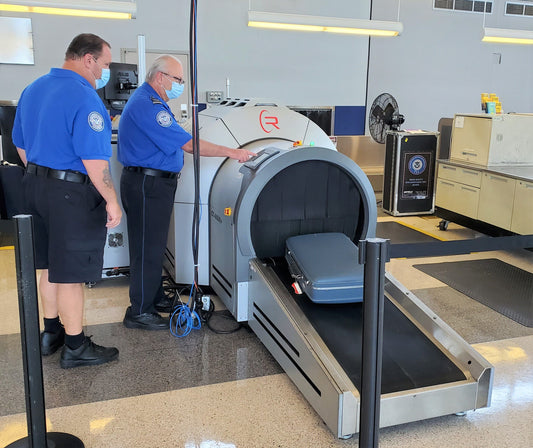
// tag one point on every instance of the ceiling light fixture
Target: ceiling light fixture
(102, 9)
(507, 36)
(298, 22)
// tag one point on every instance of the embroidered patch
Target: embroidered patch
(163, 119)
(96, 122)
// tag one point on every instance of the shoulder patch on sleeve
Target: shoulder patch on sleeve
(155, 100)
(96, 121)
(163, 119)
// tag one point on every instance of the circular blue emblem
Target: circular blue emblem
(417, 165)
(96, 121)
(163, 119)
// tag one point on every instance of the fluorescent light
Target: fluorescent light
(506, 36)
(102, 9)
(299, 22)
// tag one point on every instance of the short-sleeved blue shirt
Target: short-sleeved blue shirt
(148, 134)
(61, 120)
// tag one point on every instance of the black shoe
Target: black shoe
(87, 354)
(52, 342)
(145, 321)
(164, 305)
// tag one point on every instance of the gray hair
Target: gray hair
(160, 64)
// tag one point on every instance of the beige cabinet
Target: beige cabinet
(461, 174)
(493, 197)
(486, 139)
(458, 189)
(496, 200)
(522, 218)
(458, 198)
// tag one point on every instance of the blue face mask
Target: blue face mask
(175, 91)
(103, 78)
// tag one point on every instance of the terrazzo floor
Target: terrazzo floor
(212, 390)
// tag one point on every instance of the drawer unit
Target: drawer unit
(522, 218)
(457, 197)
(496, 200)
(460, 174)
(486, 139)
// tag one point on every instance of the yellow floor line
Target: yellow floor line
(7, 247)
(421, 231)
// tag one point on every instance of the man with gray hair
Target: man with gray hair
(150, 146)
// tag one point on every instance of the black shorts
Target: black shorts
(69, 228)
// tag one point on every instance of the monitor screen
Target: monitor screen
(322, 116)
(122, 82)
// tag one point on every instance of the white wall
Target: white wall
(294, 68)
(439, 66)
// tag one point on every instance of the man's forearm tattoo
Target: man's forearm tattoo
(107, 178)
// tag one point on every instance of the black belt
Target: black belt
(66, 175)
(151, 172)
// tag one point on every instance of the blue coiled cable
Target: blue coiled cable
(182, 319)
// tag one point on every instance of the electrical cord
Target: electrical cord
(183, 319)
(223, 316)
(187, 317)
(207, 315)
(196, 153)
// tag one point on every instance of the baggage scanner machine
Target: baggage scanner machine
(286, 190)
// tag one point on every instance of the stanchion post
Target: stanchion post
(373, 252)
(31, 345)
(29, 330)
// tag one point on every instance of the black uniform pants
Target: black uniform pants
(148, 202)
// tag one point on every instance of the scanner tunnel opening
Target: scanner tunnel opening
(312, 196)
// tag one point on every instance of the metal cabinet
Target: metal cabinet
(492, 139)
(522, 218)
(458, 189)
(496, 200)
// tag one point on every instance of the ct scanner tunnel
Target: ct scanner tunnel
(251, 209)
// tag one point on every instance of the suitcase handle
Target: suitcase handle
(293, 267)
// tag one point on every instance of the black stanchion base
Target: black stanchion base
(53, 439)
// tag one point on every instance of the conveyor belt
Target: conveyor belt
(410, 359)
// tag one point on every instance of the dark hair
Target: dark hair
(83, 44)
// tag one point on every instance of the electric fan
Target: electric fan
(384, 115)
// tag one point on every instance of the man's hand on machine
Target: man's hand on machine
(242, 155)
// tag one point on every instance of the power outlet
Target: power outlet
(184, 113)
(206, 303)
(214, 96)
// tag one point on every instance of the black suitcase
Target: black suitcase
(326, 267)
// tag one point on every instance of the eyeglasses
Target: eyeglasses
(96, 60)
(175, 78)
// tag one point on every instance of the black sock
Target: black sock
(76, 341)
(52, 325)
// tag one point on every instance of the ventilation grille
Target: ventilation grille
(518, 9)
(464, 5)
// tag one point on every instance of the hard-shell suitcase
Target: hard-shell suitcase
(326, 267)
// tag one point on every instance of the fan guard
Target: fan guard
(384, 115)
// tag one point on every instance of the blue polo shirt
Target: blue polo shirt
(148, 134)
(61, 120)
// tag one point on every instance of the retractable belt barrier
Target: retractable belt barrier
(443, 248)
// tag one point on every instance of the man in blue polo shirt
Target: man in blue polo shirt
(150, 146)
(63, 134)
